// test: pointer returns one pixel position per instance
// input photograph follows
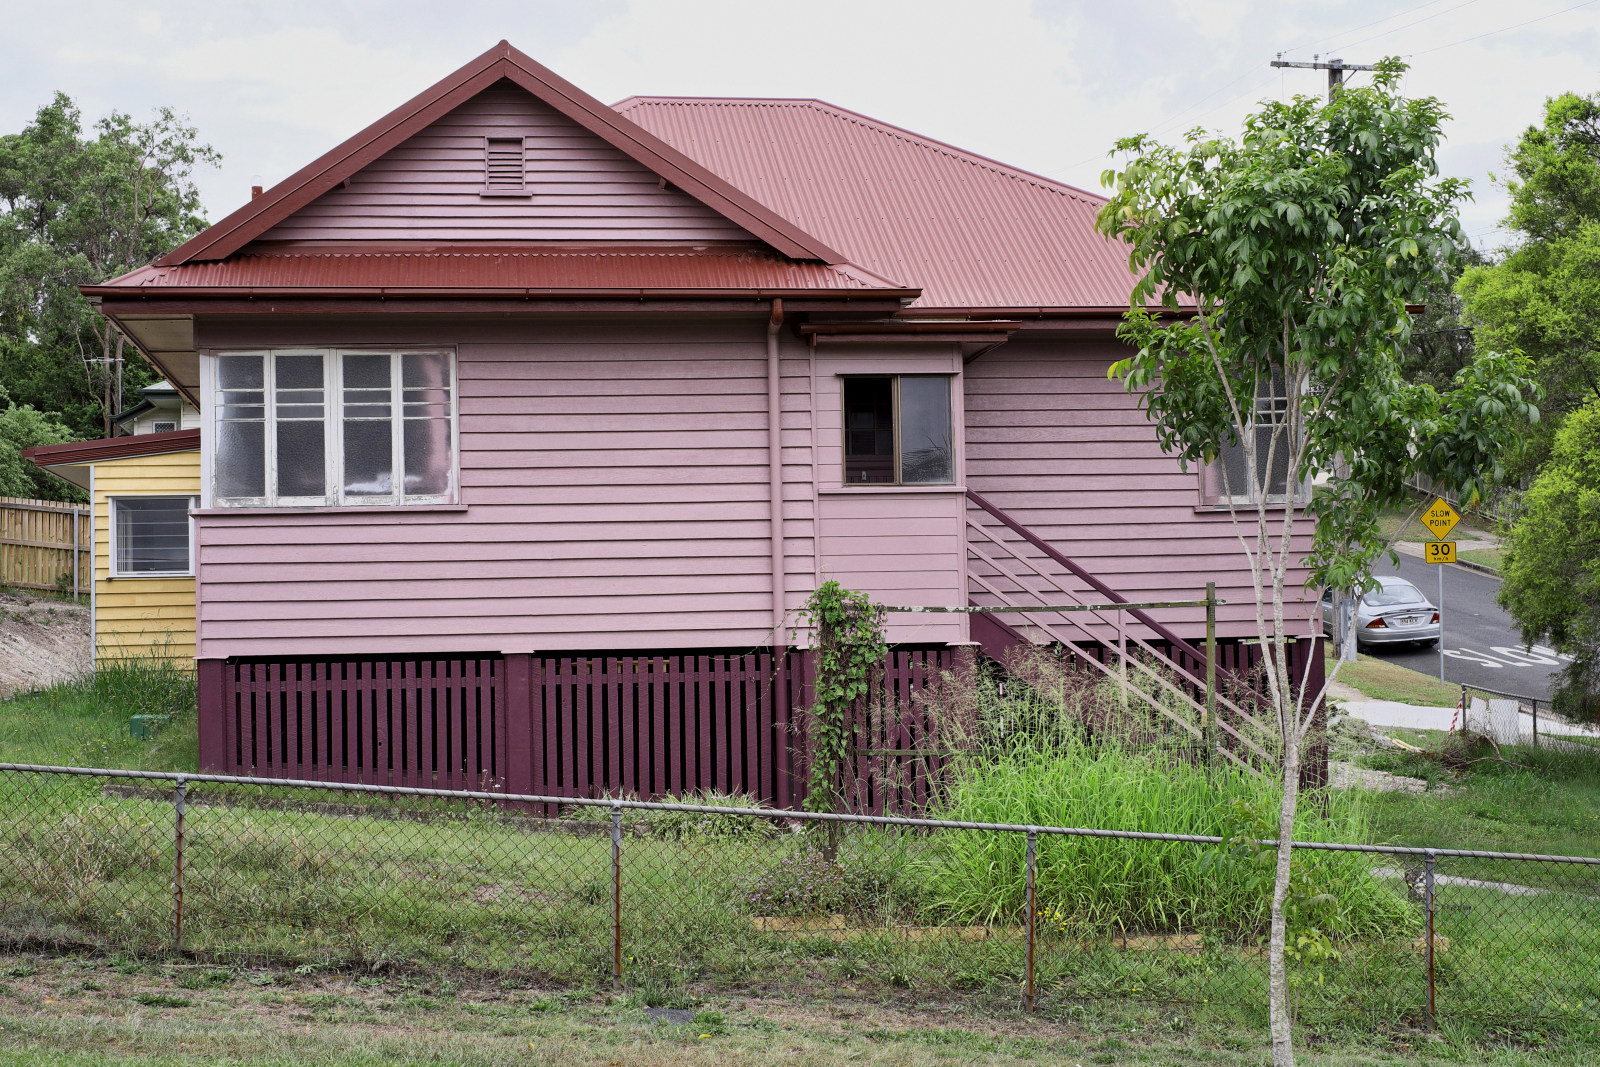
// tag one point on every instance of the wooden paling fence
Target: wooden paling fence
(45, 544)
(578, 725)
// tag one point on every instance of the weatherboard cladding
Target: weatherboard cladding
(969, 231)
(431, 187)
(616, 482)
(512, 270)
(1066, 452)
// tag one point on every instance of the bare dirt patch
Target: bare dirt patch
(42, 642)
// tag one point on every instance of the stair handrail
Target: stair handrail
(1095, 583)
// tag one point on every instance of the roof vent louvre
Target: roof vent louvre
(505, 165)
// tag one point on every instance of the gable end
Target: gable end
(505, 166)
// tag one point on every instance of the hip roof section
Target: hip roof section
(972, 232)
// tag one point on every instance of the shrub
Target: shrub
(805, 882)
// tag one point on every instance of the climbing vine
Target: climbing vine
(849, 646)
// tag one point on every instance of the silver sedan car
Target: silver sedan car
(1395, 612)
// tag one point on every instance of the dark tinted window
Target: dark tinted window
(868, 430)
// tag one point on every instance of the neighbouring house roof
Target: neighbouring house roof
(516, 271)
(971, 232)
(147, 402)
(73, 460)
(502, 62)
(147, 444)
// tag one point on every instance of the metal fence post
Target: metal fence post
(1536, 723)
(179, 792)
(616, 898)
(1033, 851)
(1206, 725)
(1427, 904)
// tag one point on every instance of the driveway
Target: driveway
(1481, 644)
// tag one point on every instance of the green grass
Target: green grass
(310, 883)
(1378, 679)
(81, 1012)
(1493, 558)
(1098, 884)
(1549, 802)
(85, 722)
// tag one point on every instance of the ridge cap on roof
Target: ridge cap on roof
(850, 114)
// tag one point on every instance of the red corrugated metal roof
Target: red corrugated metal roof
(514, 270)
(969, 231)
(145, 444)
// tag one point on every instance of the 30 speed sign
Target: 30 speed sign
(1439, 551)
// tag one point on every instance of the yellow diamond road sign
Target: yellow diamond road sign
(1441, 518)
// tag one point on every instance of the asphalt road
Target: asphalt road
(1481, 643)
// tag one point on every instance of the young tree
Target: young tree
(75, 210)
(1552, 573)
(1544, 298)
(1300, 246)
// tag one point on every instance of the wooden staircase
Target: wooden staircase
(1009, 565)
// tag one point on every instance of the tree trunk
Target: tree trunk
(1278, 972)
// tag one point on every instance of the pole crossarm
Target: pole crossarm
(1325, 64)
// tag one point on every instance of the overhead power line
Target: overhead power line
(1366, 25)
(1407, 26)
(1503, 29)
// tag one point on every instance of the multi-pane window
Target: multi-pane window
(150, 536)
(298, 428)
(1229, 477)
(897, 430)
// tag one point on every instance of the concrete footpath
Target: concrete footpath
(1393, 714)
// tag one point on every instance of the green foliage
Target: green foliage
(22, 427)
(1092, 884)
(1551, 576)
(1441, 343)
(1301, 246)
(1544, 299)
(1312, 905)
(76, 209)
(850, 648)
(804, 881)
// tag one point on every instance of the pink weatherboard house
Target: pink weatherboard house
(528, 423)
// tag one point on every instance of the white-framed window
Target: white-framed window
(1228, 480)
(308, 427)
(151, 536)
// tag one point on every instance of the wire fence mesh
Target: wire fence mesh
(663, 896)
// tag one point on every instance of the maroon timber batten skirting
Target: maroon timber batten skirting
(589, 725)
(556, 725)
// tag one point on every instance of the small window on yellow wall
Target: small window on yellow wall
(150, 536)
(897, 430)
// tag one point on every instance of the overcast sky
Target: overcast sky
(1046, 86)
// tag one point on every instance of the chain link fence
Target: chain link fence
(660, 897)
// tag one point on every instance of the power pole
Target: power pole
(1334, 67)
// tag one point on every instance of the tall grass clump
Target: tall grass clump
(85, 721)
(1103, 776)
